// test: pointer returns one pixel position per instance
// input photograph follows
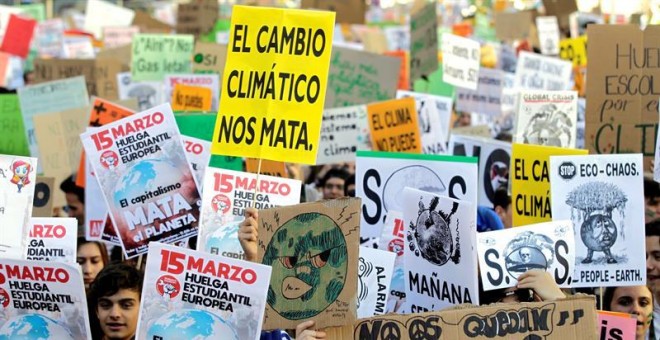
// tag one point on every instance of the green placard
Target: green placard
(201, 126)
(434, 85)
(222, 25)
(12, 139)
(155, 55)
(35, 11)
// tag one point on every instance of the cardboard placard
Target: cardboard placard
(344, 130)
(382, 176)
(209, 58)
(348, 11)
(375, 268)
(196, 18)
(601, 195)
(571, 318)
(461, 59)
(100, 73)
(273, 119)
(148, 24)
(537, 72)
(622, 112)
(13, 140)
(433, 117)
(494, 159)
(18, 37)
(506, 254)
(530, 184)
(292, 240)
(440, 255)
(50, 97)
(423, 41)
(404, 71)
(43, 299)
(226, 195)
(393, 126)
(147, 182)
(512, 25)
(358, 77)
(43, 197)
(214, 294)
(17, 186)
(547, 118)
(52, 239)
(155, 55)
(487, 98)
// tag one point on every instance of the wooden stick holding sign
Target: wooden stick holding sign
(256, 185)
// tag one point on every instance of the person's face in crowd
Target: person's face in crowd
(506, 215)
(636, 300)
(333, 188)
(89, 258)
(350, 190)
(75, 208)
(652, 205)
(653, 263)
(118, 314)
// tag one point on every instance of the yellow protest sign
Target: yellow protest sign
(393, 125)
(530, 185)
(274, 84)
(574, 50)
(191, 98)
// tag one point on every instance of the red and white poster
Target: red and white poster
(189, 294)
(52, 239)
(146, 180)
(42, 300)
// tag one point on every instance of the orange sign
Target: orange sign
(268, 167)
(393, 125)
(191, 98)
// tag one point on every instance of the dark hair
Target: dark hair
(651, 188)
(334, 173)
(608, 296)
(69, 187)
(501, 198)
(102, 249)
(349, 181)
(652, 228)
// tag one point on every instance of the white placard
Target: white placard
(461, 58)
(487, 98)
(19, 175)
(52, 239)
(537, 72)
(547, 118)
(433, 116)
(548, 30)
(344, 130)
(375, 269)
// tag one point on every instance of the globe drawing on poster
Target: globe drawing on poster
(192, 324)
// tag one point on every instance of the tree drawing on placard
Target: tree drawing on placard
(430, 235)
(309, 258)
(549, 126)
(596, 202)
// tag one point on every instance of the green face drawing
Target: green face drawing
(309, 259)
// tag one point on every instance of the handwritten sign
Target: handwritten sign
(622, 110)
(460, 61)
(344, 130)
(207, 81)
(155, 55)
(530, 185)
(116, 36)
(600, 194)
(209, 58)
(274, 119)
(12, 140)
(487, 98)
(423, 41)
(537, 72)
(100, 74)
(548, 30)
(191, 98)
(393, 125)
(358, 77)
(196, 18)
(506, 254)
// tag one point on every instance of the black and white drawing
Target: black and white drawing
(147, 93)
(439, 264)
(375, 268)
(433, 117)
(602, 196)
(547, 118)
(430, 235)
(506, 254)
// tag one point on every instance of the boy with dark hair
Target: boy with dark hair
(349, 186)
(651, 199)
(114, 302)
(333, 183)
(75, 201)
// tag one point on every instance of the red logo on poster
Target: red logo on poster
(168, 286)
(109, 159)
(396, 246)
(4, 298)
(221, 203)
